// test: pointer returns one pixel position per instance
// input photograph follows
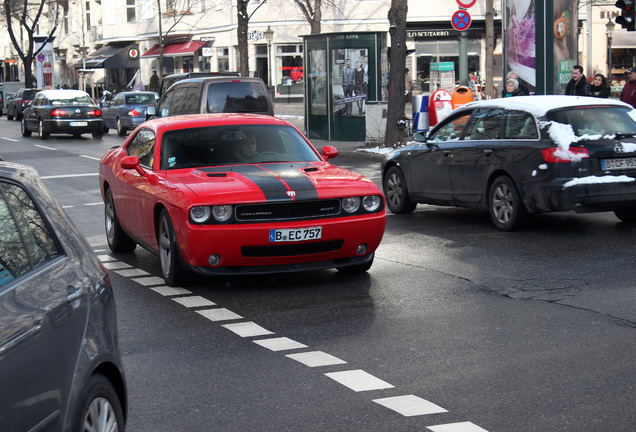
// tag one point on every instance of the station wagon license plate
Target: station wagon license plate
(79, 123)
(618, 164)
(290, 235)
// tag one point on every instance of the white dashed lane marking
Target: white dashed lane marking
(356, 380)
(359, 380)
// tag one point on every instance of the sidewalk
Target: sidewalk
(294, 113)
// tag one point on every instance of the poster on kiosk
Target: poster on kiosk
(440, 106)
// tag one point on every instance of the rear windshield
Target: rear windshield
(139, 99)
(77, 100)
(236, 97)
(236, 144)
(595, 120)
(28, 94)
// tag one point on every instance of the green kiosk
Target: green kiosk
(343, 71)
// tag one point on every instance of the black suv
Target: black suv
(218, 94)
(20, 100)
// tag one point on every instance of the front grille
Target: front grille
(287, 210)
(291, 249)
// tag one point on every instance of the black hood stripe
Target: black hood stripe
(275, 180)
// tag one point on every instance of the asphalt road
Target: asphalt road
(456, 328)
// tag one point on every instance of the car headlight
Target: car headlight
(200, 214)
(371, 203)
(351, 204)
(222, 212)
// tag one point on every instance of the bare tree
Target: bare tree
(490, 48)
(312, 12)
(29, 16)
(242, 29)
(395, 123)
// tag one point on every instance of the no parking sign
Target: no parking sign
(461, 20)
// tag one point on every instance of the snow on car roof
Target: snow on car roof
(540, 105)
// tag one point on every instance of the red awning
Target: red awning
(176, 49)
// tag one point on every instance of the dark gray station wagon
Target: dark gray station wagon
(519, 156)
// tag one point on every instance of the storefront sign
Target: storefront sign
(428, 33)
(256, 35)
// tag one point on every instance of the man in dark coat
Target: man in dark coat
(578, 84)
(628, 95)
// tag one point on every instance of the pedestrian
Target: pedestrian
(407, 85)
(154, 82)
(358, 86)
(348, 83)
(628, 95)
(578, 84)
(599, 87)
(522, 88)
(512, 89)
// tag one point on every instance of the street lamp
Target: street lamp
(609, 32)
(269, 36)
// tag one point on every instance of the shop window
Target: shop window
(223, 59)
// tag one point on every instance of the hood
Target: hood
(270, 182)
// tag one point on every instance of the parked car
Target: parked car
(168, 80)
(126, 110)
(19, 101)
(60, 365)
(62, 111)
(519, 156)
(218, 94)
(237, 194)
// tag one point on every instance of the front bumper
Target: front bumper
(246, 248)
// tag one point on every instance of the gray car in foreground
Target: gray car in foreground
(60, 366)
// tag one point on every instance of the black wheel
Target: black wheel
(355, 269)
(173, 272)
(505, 206)
(43, 134)
(9, 115)
(98, 135)
(100, 409)
(25, 131)
(397, 196)
(18, 116)
(627, 216)
(106, 130)
(121, 131)
(118, 240)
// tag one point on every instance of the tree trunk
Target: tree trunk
(490, 48)
(243, 20)
(395, 124)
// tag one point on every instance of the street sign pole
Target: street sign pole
(463, 58)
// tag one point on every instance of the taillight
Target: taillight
(133, 113)
(95, 112)
(559, 155)
(25, 101)
(58, 112)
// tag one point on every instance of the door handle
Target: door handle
(488, 152)
(75, 295)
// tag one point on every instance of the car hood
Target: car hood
(269, 182)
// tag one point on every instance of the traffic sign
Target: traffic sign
(466, 3)
(41, 57)
(461, 20)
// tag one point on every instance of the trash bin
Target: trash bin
(461, 96)
(420, 113)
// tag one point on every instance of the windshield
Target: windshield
(235, 144)
(141, 98)
(596, 120)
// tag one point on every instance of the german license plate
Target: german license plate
(290, 235)
(79, 123)
(618, 164)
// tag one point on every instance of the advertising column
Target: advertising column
(44, 63)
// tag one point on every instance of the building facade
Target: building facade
(119, 39)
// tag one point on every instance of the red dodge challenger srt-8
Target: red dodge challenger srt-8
(237, 194)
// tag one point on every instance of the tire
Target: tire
(171, 269)
(121, 131)
(106, 130)
(357, 269)
(505, 206)
(627, 216)
(100, 408)
(9, 115)
(397, 195)
(98, 135)
(118, 240)
(25, 131)
(18, 116)
(43, 134)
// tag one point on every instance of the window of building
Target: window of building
(88, 15)
(289, 68)
(131, 15)
(223, 59)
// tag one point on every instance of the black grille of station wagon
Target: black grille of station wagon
(287, 210)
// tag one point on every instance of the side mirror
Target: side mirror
(329, 152)
(150, 111)
(132, 162)
(420, 137)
